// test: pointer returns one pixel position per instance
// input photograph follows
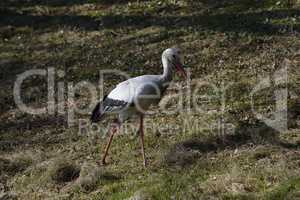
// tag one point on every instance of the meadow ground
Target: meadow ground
(218, 149)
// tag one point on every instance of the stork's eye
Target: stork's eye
(174, 56)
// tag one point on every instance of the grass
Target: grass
(228, 44)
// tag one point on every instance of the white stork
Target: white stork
(134, 96)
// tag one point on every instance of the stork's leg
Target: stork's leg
(112, 131)
(141, 130)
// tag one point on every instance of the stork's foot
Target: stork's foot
(145, 164)
(103, 162)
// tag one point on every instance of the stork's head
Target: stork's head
(173, 56)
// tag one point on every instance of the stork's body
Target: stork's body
(134, 96)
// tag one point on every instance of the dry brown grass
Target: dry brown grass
(230, 42)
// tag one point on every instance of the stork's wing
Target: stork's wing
(125, 94)
(117, 100)
(142, 90)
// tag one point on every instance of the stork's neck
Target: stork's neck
(167, 75)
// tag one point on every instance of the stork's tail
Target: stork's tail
(98, 113)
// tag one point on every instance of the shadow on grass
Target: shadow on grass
(254, 22)
(15, 19)
(187, 152)
(227, 22)
(244, 5)
(20, 137)
(56, 3)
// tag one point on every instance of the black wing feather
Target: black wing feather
(106, 105)
(98, 113)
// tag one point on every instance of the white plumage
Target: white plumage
(139, 94)
(134, 96)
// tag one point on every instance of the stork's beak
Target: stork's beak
(180, 69)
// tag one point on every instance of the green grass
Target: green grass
(230, 44)
(289, 189)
